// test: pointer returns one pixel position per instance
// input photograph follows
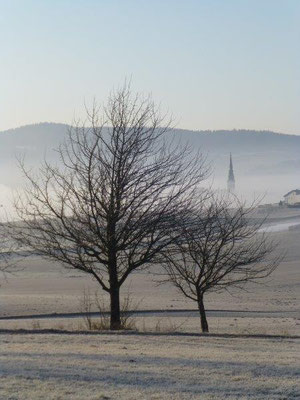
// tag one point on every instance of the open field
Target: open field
(147, 367)
(219, 325)
(43, 287)
(167, 364)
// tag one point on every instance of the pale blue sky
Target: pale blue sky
(216, 64)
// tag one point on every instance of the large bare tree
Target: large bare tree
(108, 209)
(221, 247)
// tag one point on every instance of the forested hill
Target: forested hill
(43, 136)
(49, 135)
(34, 138)
(242, 141)
(255, 153)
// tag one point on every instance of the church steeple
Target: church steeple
(231, 180)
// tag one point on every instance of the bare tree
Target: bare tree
(221, 247)
(8, 253)
(111, 206)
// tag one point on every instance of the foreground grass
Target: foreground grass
(218, 325)
(127, 367)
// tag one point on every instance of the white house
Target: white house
(292, 198)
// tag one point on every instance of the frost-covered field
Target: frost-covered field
(43, 287)
(147, 367)
(190, 324)
(138, 366)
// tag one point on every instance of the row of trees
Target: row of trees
(125, 197)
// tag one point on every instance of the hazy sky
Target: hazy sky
(214, 63)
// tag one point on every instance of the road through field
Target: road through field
(169, 313)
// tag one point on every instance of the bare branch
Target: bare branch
(111, 205)
(219, 246)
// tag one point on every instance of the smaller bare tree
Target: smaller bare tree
(8, 249)
(220, 247)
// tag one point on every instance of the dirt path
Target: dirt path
(169, 313)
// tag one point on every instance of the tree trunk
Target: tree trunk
(204, 324)
(115, 320)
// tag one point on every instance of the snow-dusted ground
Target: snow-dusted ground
(101, 366)
(45, 287)
(159, 323)
(147, 367)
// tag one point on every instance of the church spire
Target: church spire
(231, 180)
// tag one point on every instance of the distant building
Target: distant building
(231, 180)
(292, 198)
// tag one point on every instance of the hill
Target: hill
(259, 156)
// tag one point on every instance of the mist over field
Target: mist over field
(266, 164)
